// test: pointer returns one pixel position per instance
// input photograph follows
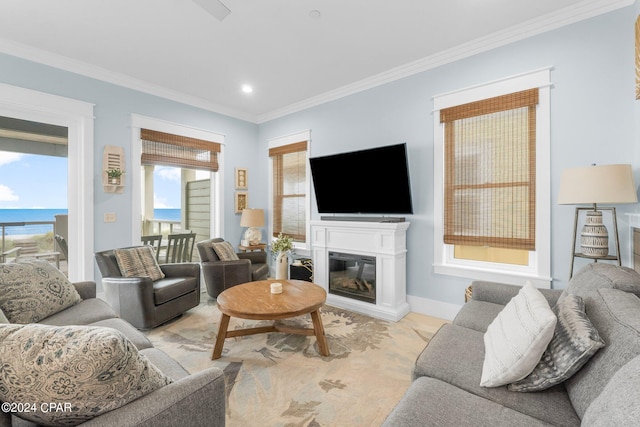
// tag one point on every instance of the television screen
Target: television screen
(372, 181)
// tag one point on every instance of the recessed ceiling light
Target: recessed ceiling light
(315, 14)
(247, 89)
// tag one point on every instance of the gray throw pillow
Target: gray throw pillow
(575, 341)
(33, 290)
(83, 370)
(138, 262)
(225, 251)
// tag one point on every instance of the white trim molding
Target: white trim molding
(77, 117)
(433, 308)
(305, 135)
(538, 270)
(217, 179)
(569, 15)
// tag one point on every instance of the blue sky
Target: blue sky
(29, 181)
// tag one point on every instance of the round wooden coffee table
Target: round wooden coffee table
(254, 300)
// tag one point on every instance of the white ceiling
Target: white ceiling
(175, 49)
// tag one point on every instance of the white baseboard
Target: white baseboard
(430, 307)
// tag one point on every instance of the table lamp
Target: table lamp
(593, 185)
(252, 218)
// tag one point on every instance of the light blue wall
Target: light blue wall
(113, 108)
(593, 108)
(592, 121)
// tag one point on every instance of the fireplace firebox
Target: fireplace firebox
(353, 276)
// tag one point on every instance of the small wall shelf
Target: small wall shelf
(113, 158)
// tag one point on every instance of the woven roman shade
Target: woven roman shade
(166, 149)
(289, 190)
(490, 172)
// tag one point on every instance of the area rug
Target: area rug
(278, 379)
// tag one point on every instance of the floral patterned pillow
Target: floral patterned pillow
(86, 369)
(33, 290)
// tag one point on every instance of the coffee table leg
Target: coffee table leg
(319, 330)
(222, 334)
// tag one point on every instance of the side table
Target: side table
(250, 248)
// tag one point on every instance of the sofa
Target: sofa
(605, 391)
(189, 399)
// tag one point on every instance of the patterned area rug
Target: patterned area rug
(278, 379)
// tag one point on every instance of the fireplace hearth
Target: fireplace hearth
(353, 276)
(362, 266)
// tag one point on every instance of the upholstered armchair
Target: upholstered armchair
(145, 300)
(233, 269)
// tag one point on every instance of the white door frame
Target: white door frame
(216, 209)
(77, 117)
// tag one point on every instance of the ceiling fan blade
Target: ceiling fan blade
(215, 8)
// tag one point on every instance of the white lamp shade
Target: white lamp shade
(252, 218)
(608, 184)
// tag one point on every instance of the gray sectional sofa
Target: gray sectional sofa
(446, 387)
(194, 400)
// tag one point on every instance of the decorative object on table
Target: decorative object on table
(276, 288)
(610, 184)
(113, 166)
(279, 249)
(241, 201)
(252, 218)
(242, 182)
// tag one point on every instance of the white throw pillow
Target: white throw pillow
(517, 337)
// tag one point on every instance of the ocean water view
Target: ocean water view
(36, 215)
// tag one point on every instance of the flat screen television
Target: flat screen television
(371, 181)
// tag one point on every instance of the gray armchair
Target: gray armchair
(220, 275)
(145, 303)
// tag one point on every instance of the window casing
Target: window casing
(490, 171)
(489, 201)
(214, 143)
(290, 186)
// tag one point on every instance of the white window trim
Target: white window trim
(217, 187)
(77, 117)
(301, 248)
(539, 269)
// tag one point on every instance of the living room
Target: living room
(593, 119)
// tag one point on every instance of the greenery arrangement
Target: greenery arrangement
(114, 173)
(283, 243)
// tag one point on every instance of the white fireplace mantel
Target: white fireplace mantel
(384, 240)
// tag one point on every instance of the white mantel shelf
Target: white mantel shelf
(386, 241)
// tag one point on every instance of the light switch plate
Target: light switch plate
(109, 217)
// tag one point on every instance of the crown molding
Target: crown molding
(569, 15)
(84, 69)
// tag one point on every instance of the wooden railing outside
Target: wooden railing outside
(160, 226)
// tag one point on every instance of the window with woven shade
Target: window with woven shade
(166, 149)
(490, 172)
(289, 216)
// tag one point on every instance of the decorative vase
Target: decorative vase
(282, 265)
(594, 239)
(114, 181)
